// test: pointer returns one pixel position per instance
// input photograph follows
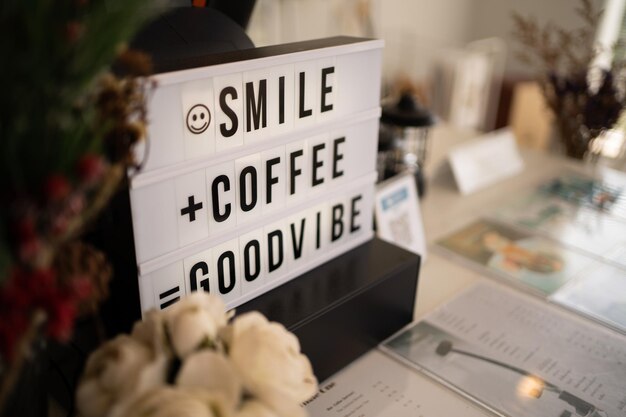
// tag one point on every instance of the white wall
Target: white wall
(493, 18)
(415, 31)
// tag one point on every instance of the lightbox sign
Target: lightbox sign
(259, 168)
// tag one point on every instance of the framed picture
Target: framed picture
(530, 261)
(398, 215)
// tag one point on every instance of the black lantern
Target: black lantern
(403, 141)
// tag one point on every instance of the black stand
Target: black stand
(346, 306)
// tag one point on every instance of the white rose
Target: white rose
(117, 370)
(195, 321)
(270, 364)
(151, 331)
(254, 408)
(174, 402)
(213, 372)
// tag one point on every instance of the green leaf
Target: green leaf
(55, 53)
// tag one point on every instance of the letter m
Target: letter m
(256, 107)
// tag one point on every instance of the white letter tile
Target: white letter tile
(191, 207)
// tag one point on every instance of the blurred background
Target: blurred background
(459, 57)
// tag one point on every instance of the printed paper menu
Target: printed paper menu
(376, 385)
(518, 356)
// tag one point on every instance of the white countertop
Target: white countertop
(444, 210)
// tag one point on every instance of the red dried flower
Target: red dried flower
(17, 301)
(90, 168)
(12, 327)
(25, 229)
(59, 224)
(76, 204)
(38, 284)
(29, 290)
(56, 188)
(73, 31)
(29, 249)
(61, 318)
(14, 295)
(81, 287)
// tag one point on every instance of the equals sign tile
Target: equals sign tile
(167, 294)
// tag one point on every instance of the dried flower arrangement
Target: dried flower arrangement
(192, 360)
(67, 129)
(583, 102)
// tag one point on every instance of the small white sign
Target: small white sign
(398, 216)
(493, 157)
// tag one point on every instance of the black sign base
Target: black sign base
(346, 306)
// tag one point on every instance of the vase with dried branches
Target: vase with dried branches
(585, 101)
(68, 125)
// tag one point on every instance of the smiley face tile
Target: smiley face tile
(198, 124)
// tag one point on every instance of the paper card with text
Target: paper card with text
(485, 161)
(398, 215)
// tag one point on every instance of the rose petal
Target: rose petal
(195, 320)
(213, 372)
(151, 331)
(268, 359)
(117, 370)
(174, 402)
(254, 408)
